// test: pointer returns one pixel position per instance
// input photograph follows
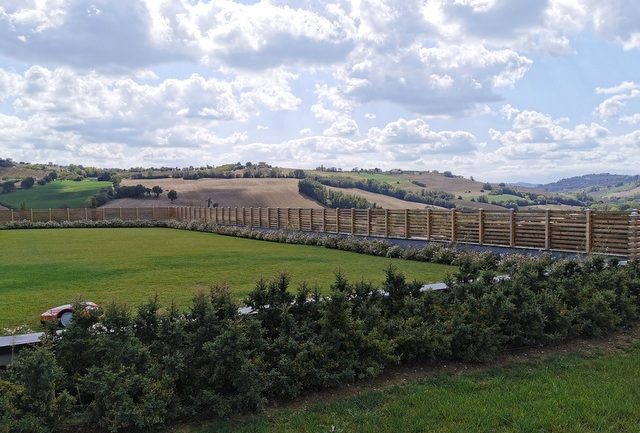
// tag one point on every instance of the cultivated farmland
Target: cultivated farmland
(250, 192)
(57, 194)
(384, 201)
(44, 268)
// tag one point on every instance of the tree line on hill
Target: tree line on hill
(114, 370)
(332, 199)
(530, 198)
(137, 191)
(435, 198)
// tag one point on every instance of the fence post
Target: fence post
(120, 213)
(353, 221)
(480, 227)
(49, 214)
(137, 214)
(634, 235)
(453, 225)
(104, 215)
(547, 229)
(299, 219)
(32, 214)
(368, 222)
(11, 215)
(587, 246)
(68, 215)
(512, 228)
(406, 223)
(324, 220)
(386, 223)
(428, 224)
(86, 213)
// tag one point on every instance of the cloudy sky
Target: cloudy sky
(529, 90)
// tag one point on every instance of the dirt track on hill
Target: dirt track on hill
(225, 192)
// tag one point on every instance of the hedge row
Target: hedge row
(116, 370)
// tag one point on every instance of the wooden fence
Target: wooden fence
(606, 232)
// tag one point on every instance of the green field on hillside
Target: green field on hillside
(494, 198)
(567, 394)
(56, 194)
(45, 268)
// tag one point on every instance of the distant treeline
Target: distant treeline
(332, 199)
(435, 198)
(529, 198)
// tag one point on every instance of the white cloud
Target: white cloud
(535, 133)
(616, 20)
(631, 120)
(613, 106)
(255, 36)
(414, 139)
(73, 32)
(61, 112)
(344, 127)
(624, 87)
(444, 79)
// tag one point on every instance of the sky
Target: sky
(502, 90)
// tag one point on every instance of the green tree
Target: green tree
(8, 187)
(157, 190)
(27, 182)
(172, 195)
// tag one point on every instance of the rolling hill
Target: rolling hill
(384, 201)
(56, 194)
(588, 181)
(241, 192)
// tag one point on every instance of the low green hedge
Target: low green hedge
(117, 370)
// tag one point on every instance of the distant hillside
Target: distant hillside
(526, 184)
(56, 194)
(251, 192)
(587, 181)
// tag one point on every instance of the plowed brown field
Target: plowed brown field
(225, 192)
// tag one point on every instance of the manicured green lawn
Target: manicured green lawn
(57, 194)
(567, 394)
(44, 268)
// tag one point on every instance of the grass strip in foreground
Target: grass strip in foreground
(565, 394)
